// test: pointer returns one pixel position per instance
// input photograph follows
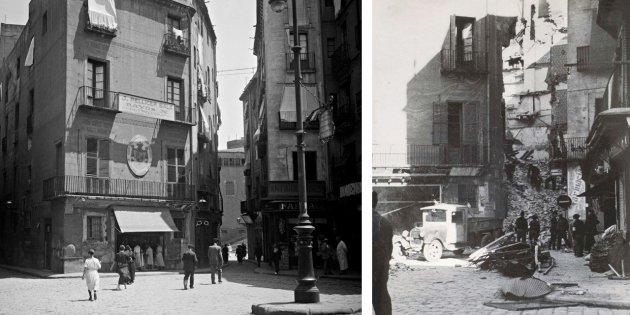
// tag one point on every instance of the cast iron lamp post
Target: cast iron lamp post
(306, 291)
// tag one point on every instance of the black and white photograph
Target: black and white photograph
(500, 157)
(181, 156)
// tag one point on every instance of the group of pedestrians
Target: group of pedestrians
(215, 260)
(582, 232)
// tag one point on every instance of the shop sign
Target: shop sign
(139, 155)
(350, 190)
(295, 206)
(146, 107)
(326, 126)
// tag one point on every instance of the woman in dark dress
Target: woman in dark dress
(121, 267)
(131, 264)
(225, 252)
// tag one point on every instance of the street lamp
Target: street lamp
(306, 290)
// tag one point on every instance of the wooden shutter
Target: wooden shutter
(470, 134)
(440, 123)
(103, 158)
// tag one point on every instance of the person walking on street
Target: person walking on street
(520, 226)
(326, 253)
(258, 252)
(214, 258)
(553, 226)
(120, 266)
(577, 232)
(534, 230)
(190, 261)
(90, 273)
(277, 254)
(561, 231)
(159, 258)
(225, 252)
(382, 234)
(241, 251)
(590, 229)
(342, 256)
(131, 264)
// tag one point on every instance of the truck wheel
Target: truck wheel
(432, 251)
(486, 239)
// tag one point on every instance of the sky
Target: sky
(233, 22)
(396, 57)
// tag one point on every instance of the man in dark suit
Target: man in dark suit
(215, 259)
(190, 260)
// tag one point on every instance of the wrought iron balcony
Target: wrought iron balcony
(430, 155)
(177, 45)
(88, 96)
(289, 189)
(458, 60)
(61, 186)
(307, 61)
(572, 149)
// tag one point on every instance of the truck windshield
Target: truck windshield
(436, 215)
(458, 217)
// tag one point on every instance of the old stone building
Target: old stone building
(231, 162)
(455, 126)
(109, 132)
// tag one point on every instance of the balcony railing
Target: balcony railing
(89, 97)
(289, 189)
(430, 155)
(455, 60)
(60, 186)
(307, 61)
(97, 98)
(100, 29)
(177, 45)
(575, 148)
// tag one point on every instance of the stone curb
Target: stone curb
(307, 309)
(592, 301)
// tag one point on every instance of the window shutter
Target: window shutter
(471, 123)
(440, 123)
(103, 158)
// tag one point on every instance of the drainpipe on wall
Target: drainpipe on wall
(190, 133)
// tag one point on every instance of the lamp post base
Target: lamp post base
(306, 291)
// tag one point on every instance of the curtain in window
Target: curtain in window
(102, 13)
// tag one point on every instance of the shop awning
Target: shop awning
(137, 219)
(102, 13)
(309, 102)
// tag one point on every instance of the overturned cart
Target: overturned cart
(512, 258)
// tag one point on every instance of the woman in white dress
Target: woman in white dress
(90, 273)
(149, 253)
(342, 256)
(137, 252)
(159, 258)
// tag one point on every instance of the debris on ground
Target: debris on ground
(512, 259)
(525, 288)
(528, 305)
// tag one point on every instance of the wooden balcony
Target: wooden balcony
(289, 189)
(62, 186)
(177, 45)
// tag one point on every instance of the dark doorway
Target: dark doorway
(454, 132)
(48, 244)
(310, 161)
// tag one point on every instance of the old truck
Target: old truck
(451, 227)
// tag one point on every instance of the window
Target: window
(330, 47)
(173, 94)
(467, 194)
(454, 124)
(230, 189)
(179, 223)
(440, 124)
(94, 228)
(582, 57)
(303, 38)
(44, 23)
(59, 159)
(176, 169)
(173, 23)
(435, 215)
(96, 83)
(97, 158)
(310, 161)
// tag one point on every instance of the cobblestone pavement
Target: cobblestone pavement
(450, 287)
(162, 294)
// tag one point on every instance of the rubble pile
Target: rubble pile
(523, 197)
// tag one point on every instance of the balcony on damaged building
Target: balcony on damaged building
(101, 17)
(287, 115)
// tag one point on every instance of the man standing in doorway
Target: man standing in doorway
(190, 260)
(215, 259)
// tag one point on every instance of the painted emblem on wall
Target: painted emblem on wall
(139, 155)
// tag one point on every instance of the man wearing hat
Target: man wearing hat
(561, 231)
(520, 225)
(215, 260)
(190, 260)
(553, 226)
(577, 231)
(534, 230)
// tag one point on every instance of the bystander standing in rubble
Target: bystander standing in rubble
(534, 230)
(533, 172)
(561, 231)
(577, 232)
(590, 229)
(553, 227)
(382, 234)
(520, 227)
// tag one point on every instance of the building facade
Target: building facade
(109, 132)
(231, 162)
(455, 127)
